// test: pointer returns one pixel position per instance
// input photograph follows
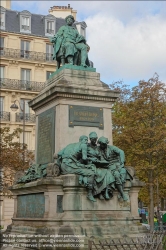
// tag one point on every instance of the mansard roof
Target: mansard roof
(37, 22)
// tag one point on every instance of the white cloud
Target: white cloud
(127, 51)
(127, 38)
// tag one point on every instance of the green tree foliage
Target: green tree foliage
(139, 128)
(11, 156)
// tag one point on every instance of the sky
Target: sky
(127, 39)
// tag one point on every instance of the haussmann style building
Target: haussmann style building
(26, 63)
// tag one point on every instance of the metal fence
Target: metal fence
(6, 83)
(29, 118)
(25, 54)
(150, 241)
(4, 116)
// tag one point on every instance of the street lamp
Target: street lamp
(151, 169)
(14, 108)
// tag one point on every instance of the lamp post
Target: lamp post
(151, 217)
(159, 217)
(14, 108)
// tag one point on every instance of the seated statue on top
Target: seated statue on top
(69, 46)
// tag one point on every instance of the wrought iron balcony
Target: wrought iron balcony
(29, 118)
(6, 83)
(25, 54)
(4, 116)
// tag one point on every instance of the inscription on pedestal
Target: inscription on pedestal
(31, 206)
(46, 137)
(85, 116)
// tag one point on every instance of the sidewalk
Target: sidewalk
(6, 248)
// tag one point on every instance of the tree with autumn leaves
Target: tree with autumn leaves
(139, 128)
(11, 156)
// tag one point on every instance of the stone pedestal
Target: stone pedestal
(74, 103)
(74, 212)
(81, 91)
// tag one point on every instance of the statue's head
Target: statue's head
(83, 139)
(93, 138)
(103, 141)
(69, 20)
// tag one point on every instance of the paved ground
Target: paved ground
(6, 248)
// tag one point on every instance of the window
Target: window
(25, 49)
(1, 103)
(25, 24)
(25, 78)
(25, 75)
(49, 52)
(2, 17)
(81, 27)
(2, 114)
(82, 31)
(2, 20)
(2, 70)
(25, 21)
(27, 108)
(27, 138)
(50, 27)
(1, 45)
(48, 73)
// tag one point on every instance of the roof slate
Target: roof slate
(37, 23)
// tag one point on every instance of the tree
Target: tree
(139, 128)
(11, 156)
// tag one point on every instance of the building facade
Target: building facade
(26, 63)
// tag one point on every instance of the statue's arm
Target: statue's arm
(53, 39)
(80, 39)
(59, 33)
(120, 152)
(84, 151)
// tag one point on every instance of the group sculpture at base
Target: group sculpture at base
(100, 167)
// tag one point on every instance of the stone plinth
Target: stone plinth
(78, 89)
(74, 103)
(74, 211)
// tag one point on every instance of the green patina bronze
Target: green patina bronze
(35, 172)
(69, 46)
(100, 167)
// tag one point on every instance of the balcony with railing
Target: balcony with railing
(6, 83)
(4, 116)
(26, 54)
(29, 118)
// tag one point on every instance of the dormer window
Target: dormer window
(50, 25)
(2, 18)
(2, 23)
(81, 27)
(82, 31)
(25, 21)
